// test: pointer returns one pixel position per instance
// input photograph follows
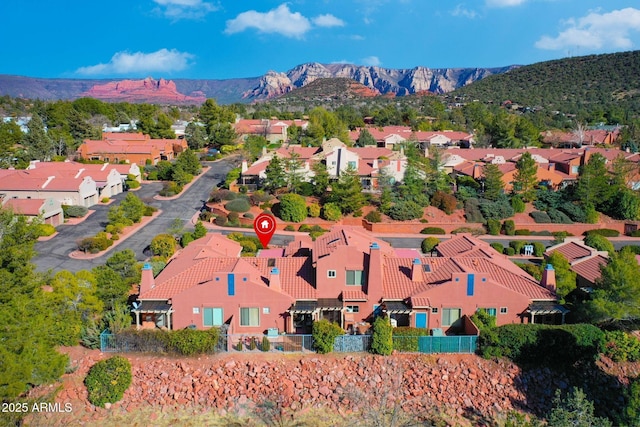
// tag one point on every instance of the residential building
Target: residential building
(273, 130)
(131, 148)
(584, 260)
(49, 210)
(347, 276)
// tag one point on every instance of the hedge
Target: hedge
(548, 345)
(606, 232)
(188, 342)
(493, 226)
(324, 335)
(46, 229)
(74, 211)
(107, 380)
(405, 338)
(238, 205)
(540, 217)
(382, 338)
(432, 230)
(373, 216)
(497, 246)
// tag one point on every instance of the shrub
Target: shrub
(540, 217)
(406, 338)
(472, 211)
(432, 230)
(292, 208)
(558, 217)
(170, 188)
(238, 205)
(149, 210)
(573, 211)
(132, 184)
(538, 248)
(46, 229)
(509, 227)
(289, 228)
(429, 243)
(74, 211)
(305, 228)
(233, 217)
(591, 215)
(541, 233)
(324, 335)
(314, 210)
(266, 344)
(381, 338)
(331, 212)
(206, 216)
(248, 215)
(517, 246)
(405, 210)
(473, 231)
(188, 342)
(248, 246)
(518, 204)
(493, 226)
(221, 220)
(509, 251)
(445, 202)
(107, 380)
(306, 189)
(523, 232)
(606, 232)
(498, 209)
(373, 216)
(259, 196)
(599, 242)
(621, 346)
(163, 245)
(497, 246)
(186, 239)
(104, 200)
(357, 213)
(218, 196)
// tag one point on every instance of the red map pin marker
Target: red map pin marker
(264, 225)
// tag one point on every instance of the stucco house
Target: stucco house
(49, 210)
(273, 130)
(347, 276)
(584, 260)
(131, 148)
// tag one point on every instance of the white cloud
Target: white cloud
(279, 20)
(596, 31)
(504, 3)
(163, 60)
(184, 9)
(372, 61)
(328, 20)
(357, 37)
(460, 10)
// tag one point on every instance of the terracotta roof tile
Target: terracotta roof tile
(572, 251)
(590, 268)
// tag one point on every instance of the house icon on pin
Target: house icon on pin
(264, 224)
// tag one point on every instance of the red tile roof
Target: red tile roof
(31, 207)
(572, 251)
(590, 267)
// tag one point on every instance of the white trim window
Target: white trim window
(249, 316)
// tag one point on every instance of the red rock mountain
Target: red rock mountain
(147, 90)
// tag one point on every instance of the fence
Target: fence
(110, 343)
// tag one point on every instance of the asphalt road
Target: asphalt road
(54, 254)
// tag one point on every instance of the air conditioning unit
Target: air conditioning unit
(272, 332)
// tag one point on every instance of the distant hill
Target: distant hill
(568, 85)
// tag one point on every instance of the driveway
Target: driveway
(54, 254)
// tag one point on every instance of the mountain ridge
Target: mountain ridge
(398, 82)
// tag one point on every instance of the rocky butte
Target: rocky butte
(147, 90)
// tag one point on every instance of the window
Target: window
(266, 310)
(503, 310)
(331, 274)
(490, 311)
(351, 165)
(353, 309)
(434, 310)
(355, 277)
(450, 316)
(575, 169)
(212, 317)
(249, 316)
(196, 310)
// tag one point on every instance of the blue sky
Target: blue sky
(219, 39)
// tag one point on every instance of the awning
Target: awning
(330, 304)
(396, 307)
(546, 307)
(303, 307)
(152, 307)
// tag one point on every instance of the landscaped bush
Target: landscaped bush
(509, 251)
(382, 338)
(170, 188)
(509, 227)
(538, 248)
(163, 245)
(186, 239)
(289, 228)
(621, 346)
(406, 338)
(432, 230)
(599, 242)
(259, 196)
(540, 217)
(46, 229)
(324, 335)
(498, 209)
(470, 230)
(206, 216)
(93, 245)
(221, 220)
(573, 211)
(493, 226)
(132, 185)
(248, 215)
(545, 344)
(107, 380)
(540, 233)
(523, 232)
(558, 217)
(497, 246)
(518, 204)
(188, 342)
(306, 189)
(292, 208)
(428, 244)
(405, 210)
(314, 210)
(238, 205)
(373, 216)
(233, 217)
(149, 210)
(74, 211)
(266, 344)
(331, 212)
(606, 232)
(472, 211)
(218, 196)
(517, 246)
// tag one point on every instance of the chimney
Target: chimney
(375, 164)
(549, 278)
(264, 150)
(416, 271)
(147, 281)
(274, 279)
(374, 275)
(245, 166)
